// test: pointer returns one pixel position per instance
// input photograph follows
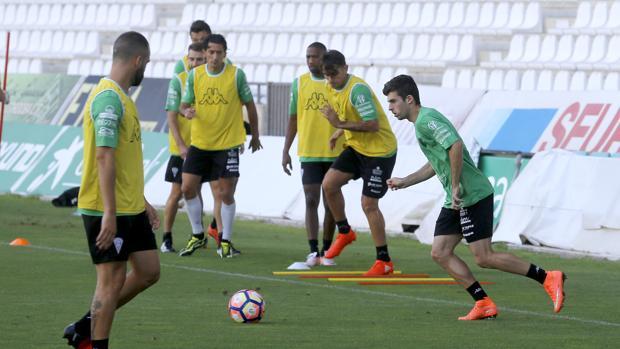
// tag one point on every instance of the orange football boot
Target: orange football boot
(342, 240)
(483, 309)
(380, 268)
(554, 285)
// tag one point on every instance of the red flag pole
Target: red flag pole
(6, 70)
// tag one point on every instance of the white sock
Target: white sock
(228, 216)
(194, 212)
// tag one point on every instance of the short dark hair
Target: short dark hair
(129, 45)
(332, 60)
(404, 85)
(215, 39)
(318, 45)
(197, 46)
(199, 26)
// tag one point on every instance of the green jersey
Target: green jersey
(436, 134)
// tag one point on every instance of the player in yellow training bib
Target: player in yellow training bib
(198, 32)
(118, 220)
(218, 91)
(370, 153)
(179, 137)
(468, 207)
(308, 95)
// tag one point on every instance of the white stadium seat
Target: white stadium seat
(355, 15)
(301, 16)
(288, 73)
(384, 15)
(581, 49)
(463, 79)
(125, 16)
(528, 80)
(370, 15)
(275, 73)
(442, 15)
(44, 15)
(517, 14)
(90, 15)
(314, 21)
(511, 80)
(584, 15)
(532, 16)
(472, 14)
(261, 17)
(561, 81)
(595, 82)
(249, 14)
(517, 45)
(101, 17)
(613, 22)
(224, 16)
(545, 81)
(502, 15)
(480, 79)
(397, 19)
(449, 78)
(565, 49)
(457, 15)
(548, 48)
(275, 17)
(288, 15)
(436, 48)
(427, 17)
(260, 74)
(21, 15)
(599, 15)
(421, 47)
(611, 82)
(451, 48)
(496, 80)
(578, 81)
(413, 15)
(486, 15)
(187, 17)
(407, 47)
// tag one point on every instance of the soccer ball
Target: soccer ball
(246, 306)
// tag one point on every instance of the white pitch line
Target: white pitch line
(348, 289)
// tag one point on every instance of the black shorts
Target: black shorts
(474, 222)
(212, 164)
(375, 171)
(133, 234)
(314, 172)
(174, 170)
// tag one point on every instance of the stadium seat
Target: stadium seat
(101, 16)
(472, 14)
(578, 81)
(224, 16)
(561, 80)
(181, 43)
(301, 16)
(288, 15)
(436, 48)
(68, 43)
(107, 67)
(427, 17)
(397, 19)
(528, 80)
(136, 15)
(32, 15)
(448, 79)
(613, 51)
(113, 15)
(545, 81)
(58, 38)
(517, 13)
(532, 49)
(22, 15)
(211, 12)
(457, 15)
(511, 80)
(336, 41)
(269, 45)
(155, 43)
(532, 18)
(496, 80)
(84, 68)
(275, 17)
(301, 69)
(44, 17)
(314, 18)
(463, 79)
(584, 15)
(9, 14)
(355, 15)
(281, 45)
(480, 79)
(295, 46)
(260, 74)
(581, 49)
(73, 67)
(262, 15)
(595, 82)
(599, 15)
(407, 47)
(486, 15)
(611, 82)
(187, 17)
(288, 73)
(372, 76)
(23, 66)
(384, 15)
(364, 47)
(249, 14)
(359, 71)
(167, 43)
(370, 15)
(80, 42)
(97, 67)
(502, 15)
(385, 75)
(451, 48)
(13, 65)
(34, 44)
(387, 45)
(597, 49)
(256, 43)
(413, 15)
(613, 22)
(248, 69)
(159, 70)
(275, 73)
(517, 45)
(442, 15)
(125, 16)
(466, 50)
(548, 49)
(421, 47)
(92, 44)
(350, 45)
(90, 15)
(45, 44)
(565, 49)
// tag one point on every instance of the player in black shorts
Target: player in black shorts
(468, 207)
(308, 95)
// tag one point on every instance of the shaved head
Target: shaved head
(130, 45)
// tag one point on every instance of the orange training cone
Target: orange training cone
(20, 242)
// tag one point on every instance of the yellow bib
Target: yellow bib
(218, 124)
(129, 184)
(374, 144)
(313, 128)
(184, 124)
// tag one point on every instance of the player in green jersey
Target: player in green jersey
(468, 207)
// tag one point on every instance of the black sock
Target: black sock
(82, 326)
(199, 236)
(100, 344)
(476, 291)
(536, 273)
(314, 245)
(343, 227)
(382, 253)
(213, 224)
(167, 236)
(326, 245)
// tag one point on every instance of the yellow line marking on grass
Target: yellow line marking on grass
(387, 295)
(324, 272)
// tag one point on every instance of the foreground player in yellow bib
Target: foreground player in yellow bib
(370, 153)
(117, 218)
(219, 91)
(468, 207)
(308, 96)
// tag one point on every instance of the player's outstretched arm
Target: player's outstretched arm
(424, 173)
